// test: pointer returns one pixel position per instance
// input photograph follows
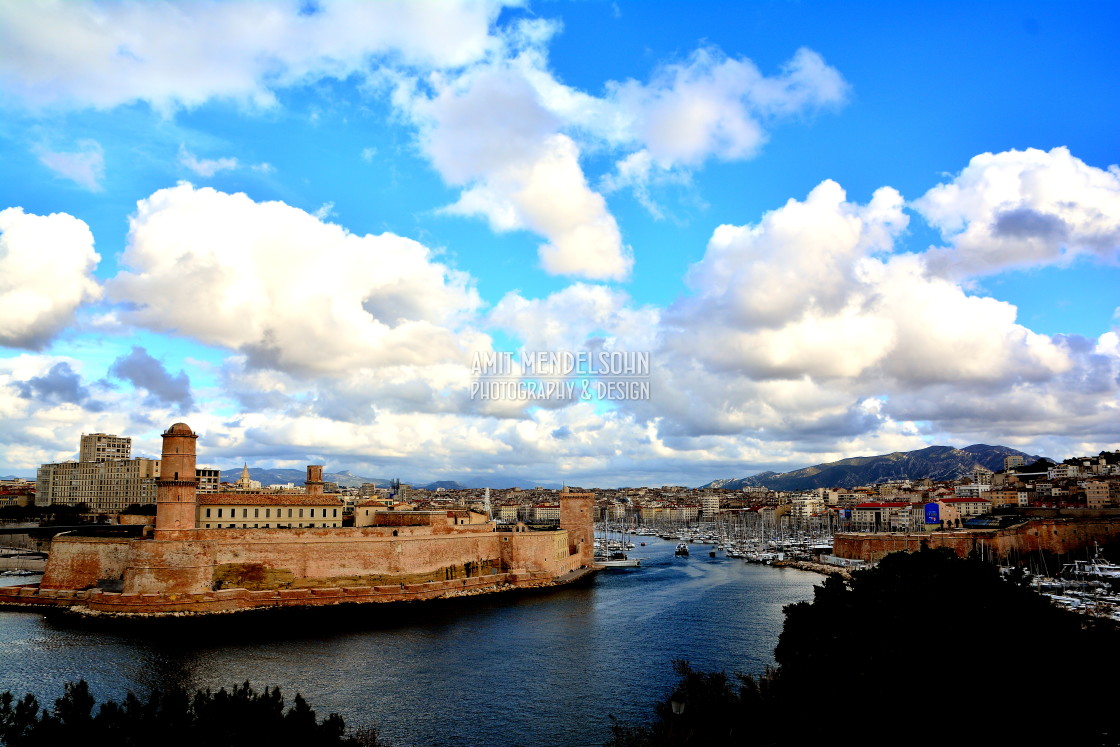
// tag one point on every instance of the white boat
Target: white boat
(616, 559)
(1096, 569)
(682, 549)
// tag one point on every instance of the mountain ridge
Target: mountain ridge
(931, 462)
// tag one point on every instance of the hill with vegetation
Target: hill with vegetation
(932, 462)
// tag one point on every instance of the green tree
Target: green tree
(226, 718)
(924, 648)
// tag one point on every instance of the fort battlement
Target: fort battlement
(182, 568)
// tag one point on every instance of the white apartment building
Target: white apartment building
(709, 505)
(805, 505)
(105, 478)
(975, 490)
(104, 447)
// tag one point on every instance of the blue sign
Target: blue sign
(933, 513)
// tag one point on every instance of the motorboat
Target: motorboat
(616, 559)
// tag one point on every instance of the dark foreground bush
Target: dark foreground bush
(173, 719)
(926, 648)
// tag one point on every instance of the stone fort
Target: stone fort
(180, 567)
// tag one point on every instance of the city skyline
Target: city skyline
(830, 231)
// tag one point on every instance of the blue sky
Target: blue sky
(836, 229)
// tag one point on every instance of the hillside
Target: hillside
(932, 462)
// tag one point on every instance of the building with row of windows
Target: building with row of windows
(106, 477)
(916, 516)
(268, 511)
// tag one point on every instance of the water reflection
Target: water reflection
(511, 669)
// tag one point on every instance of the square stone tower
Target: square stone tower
(577, 516)
(313, 485)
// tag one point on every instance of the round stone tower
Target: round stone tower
(177, 488)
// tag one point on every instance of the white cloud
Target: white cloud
(550, 196)
(85, 166)
(288, 290)
(46, 266)
(638, 173)
(103, 54)
(801, 322)
(715, 106)
(806, 338)
(578, 317)
(803, 257)
(512, 136)
(495, 121)
(1023, 208)
(205, 167)
(487, 131)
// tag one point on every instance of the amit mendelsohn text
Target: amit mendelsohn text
(541, 363)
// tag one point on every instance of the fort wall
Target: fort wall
(186, 569)
(235, 569)
(84, 562)
(1057, 535)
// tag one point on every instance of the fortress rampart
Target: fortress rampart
(186, 569)
(1057, 535)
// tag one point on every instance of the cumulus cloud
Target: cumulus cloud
(805, 324)
(715, 106)
(85, 166)
(512, 136)
(291, 292)
(551, 197)
(143, 371)
(103, 54)
(488, 132)
(1023, 208)
(46, 265)
(493, 119)
(806, 333)
(205, 167)
(576, 318)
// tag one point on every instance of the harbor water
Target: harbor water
(523, 668)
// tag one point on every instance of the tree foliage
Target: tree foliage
(232, 718)
(924, 648)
